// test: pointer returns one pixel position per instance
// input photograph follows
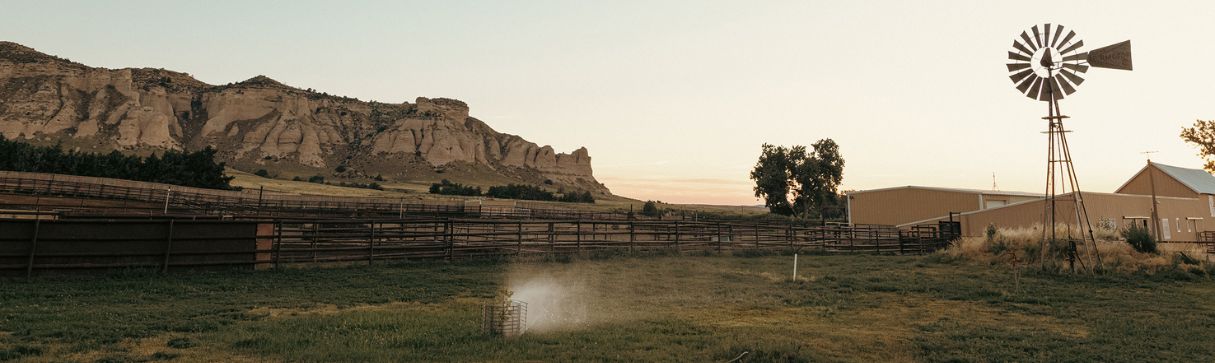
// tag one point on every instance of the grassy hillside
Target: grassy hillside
(418, 191)
(844, 308)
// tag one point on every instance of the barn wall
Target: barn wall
(1101, 206)
(1141, 184)
(906, 205)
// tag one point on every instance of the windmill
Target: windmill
(1046, 65)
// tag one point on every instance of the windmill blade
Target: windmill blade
(1013, 67)
(1079, 68)
(1021, 48)
(1033, 89)
(1029, 43)
(1024, 85)
(1046, 35)
(1058, 32)
(1067, 87)
(1037, 37)
(1079, 57)
(1017, 77)
(1018, 56)
(1075, 46)
(1070, 34)
(1117, 56)
(1075, 78)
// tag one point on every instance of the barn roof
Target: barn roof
(1198, 180)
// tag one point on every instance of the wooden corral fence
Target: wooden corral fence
(33, 245)
(164, 199)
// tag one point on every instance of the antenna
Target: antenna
(993, 182)
(1149, 154)
(1047, 67)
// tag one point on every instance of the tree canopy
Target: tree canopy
(1202, 135)
(194, 169)
(810, 176)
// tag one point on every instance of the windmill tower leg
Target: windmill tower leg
(1065, 179)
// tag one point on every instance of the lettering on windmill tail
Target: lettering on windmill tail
(1117, 56)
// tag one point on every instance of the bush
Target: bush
(650, 209)
(991, 232)
(446, 187)
(340, 169)
(520, 191)
(316, 179)
(262, 173)
(296, 178)
(1139, 238)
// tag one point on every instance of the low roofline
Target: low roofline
(942, 189)
(1033, 201)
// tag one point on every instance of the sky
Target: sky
(674, 98)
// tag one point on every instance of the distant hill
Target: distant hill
(261, 123)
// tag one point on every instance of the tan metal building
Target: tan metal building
(911, 204)
(1185, 197)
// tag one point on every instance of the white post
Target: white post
(794, 267)
(168, 193)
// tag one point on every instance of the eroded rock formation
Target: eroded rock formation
(263, 124)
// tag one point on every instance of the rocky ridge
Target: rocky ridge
(263, 124)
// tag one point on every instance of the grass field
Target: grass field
(418, 191)
(690, 308)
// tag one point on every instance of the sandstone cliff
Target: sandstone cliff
(263, 124)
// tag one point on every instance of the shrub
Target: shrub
(446, 187)
(991, 232)
(650, 209)
(262, 173)
(316, 179)
(340, 169)
(297, 178)
(1139, 238)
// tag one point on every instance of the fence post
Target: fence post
(789, 235)
(371, 246)
(877, 248)
(900, 235)
(278, 241)
(316, 234)
(578, 235)
(168, 247)
(29, 268)
(757, 235)
(552, 239)
(448, 230)
(519, 238)
(718, 236)
(677, 235)
(632, 236)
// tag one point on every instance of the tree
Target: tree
(772, 178)
(1202, 135)
(817, 177)
(810, 176)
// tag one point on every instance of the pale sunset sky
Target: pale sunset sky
(674, 98)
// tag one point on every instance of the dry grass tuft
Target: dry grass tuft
(1022, 247)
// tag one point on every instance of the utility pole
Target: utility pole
(1152, 182)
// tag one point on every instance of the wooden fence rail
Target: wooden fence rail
(160, 199)
(26, 246)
